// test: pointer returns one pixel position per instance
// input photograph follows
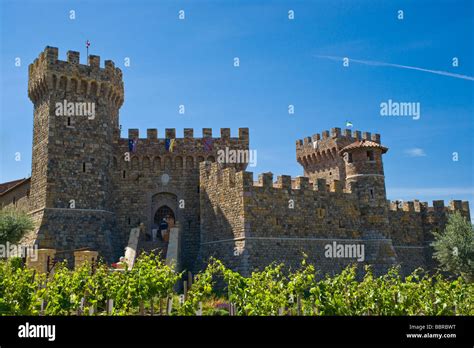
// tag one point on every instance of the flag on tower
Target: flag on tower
(349, 124)
(88, 44)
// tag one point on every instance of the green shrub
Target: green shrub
(13, 225)
(454, 248)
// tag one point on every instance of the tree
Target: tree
(454, 248)
(13, 225)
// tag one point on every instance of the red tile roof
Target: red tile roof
(7, 186)
(365, 144)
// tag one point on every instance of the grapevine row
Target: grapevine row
(151, 286)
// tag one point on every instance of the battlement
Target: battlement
(438, 206)
(48, 73)
(336, 133)
(205, 147)
(330, 141)
(221, 176)
(321, 151)
(185, 152)
(188, 134)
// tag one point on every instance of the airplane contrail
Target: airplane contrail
(374, 63)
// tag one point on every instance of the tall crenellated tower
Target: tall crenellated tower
(75, 129)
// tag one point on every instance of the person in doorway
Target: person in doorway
(170, 221)
(163, 228)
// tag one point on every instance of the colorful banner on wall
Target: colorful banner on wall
(132, 145)
(169, 145)
(208, 144)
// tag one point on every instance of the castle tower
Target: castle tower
(355, 159)
(75, 126)
(364, 176)
(320, 154)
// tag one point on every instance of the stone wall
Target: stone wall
(155, 177)
(43, 260)
(251, 224)
(379, 253)
(305, 210)
(223, 227)
(411, 226)
(17, 197)
(85, 256)
(68, 230)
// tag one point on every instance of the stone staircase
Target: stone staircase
(156, 247)
(169, 251)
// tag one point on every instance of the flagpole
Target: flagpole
(87, 54)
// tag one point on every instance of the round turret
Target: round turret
(365, 178)
(76, 110)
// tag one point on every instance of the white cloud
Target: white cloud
(415, 152)
(375, 63)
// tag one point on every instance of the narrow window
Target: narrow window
(320, 212)
(14, 200)
(129, 221)
(83, 167)
(123, 174)
(68, 121)
(370, 155)
(371, 193)
(349, 158)
(198, 189)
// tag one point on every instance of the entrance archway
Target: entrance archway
(164, 212)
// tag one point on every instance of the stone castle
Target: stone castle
(89, 187)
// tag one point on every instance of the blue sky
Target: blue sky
(190, 62)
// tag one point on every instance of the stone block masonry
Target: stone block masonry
(89, 187)
(83, 256)
(42, 261)
(251, 224)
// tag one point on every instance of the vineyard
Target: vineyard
(151, 288)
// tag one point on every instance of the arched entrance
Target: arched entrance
(164, 212)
